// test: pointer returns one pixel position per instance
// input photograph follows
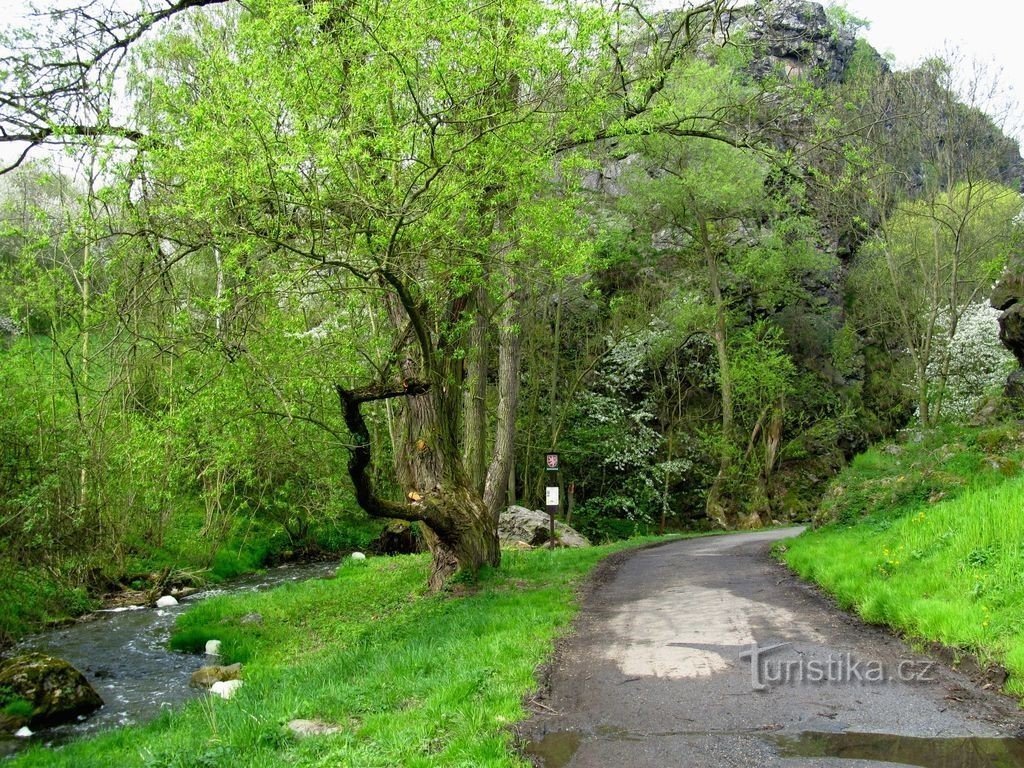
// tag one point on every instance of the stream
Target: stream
(123, 652)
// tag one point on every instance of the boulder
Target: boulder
(212, 648)
(1011, 330)
(166, 601)
(251, 618)
(205, 677)
(519, 525)
(57, 691)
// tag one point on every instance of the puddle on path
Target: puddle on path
(967, 752)
(555, 750)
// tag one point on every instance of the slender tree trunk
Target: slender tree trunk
(716, 507)
(503, 457)
(83, 472)
(474, 439)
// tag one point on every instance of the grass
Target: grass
(928, 539)
(414, 680)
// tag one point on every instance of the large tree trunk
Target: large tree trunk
(458, 530)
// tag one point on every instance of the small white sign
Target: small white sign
(551, 496)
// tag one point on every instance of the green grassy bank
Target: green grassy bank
(927, 537)
(412, 679)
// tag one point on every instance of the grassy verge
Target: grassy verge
(928, 538)
(413, 680)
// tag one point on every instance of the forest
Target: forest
(276, 274)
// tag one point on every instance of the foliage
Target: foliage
(711, 285)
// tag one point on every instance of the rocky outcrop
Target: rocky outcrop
(519, 525)
(57, 692)
(798, 36)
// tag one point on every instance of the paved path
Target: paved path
(658, 673)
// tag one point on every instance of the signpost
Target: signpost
(551, 490)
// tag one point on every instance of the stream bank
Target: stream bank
(123, 652)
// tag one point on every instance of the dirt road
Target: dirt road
(706, 652)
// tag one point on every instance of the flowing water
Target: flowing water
(123, 652)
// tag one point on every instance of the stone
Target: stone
(166, 601)
(357, 556)
(23, 733)
(1008, 291)
(205, 677)
(225, 688)
(251, 618)
(519, 525)
(213, 647)
(57, 691)
(10, 724)
(304, 728)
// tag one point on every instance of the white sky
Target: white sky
(986, 31)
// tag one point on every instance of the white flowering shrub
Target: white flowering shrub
(977, 362)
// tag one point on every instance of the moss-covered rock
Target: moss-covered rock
(56, 690)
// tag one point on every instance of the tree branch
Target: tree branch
(361, 457)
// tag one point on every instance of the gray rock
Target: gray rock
(57, 691)
(251, 618)
(304, 728)
(798, 36)
(1011, 331)
(519, 525)
(225, 688)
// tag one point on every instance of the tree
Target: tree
(932, 260)
(345, 140)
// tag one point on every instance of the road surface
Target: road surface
(659, 672)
